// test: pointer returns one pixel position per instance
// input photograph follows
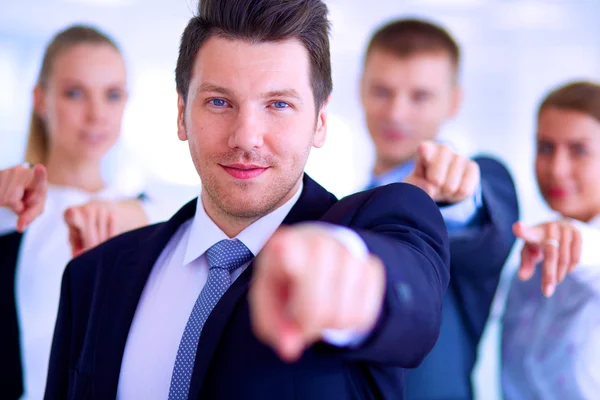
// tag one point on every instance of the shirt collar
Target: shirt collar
(397, 174)
(595, 221)
(400, 173)
(204, 233)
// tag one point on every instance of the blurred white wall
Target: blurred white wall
(514, 51)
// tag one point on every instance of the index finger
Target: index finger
(532, 235)
(426, 152)
(575, 250)
(270, 317)
(39, 180)
(550, 263)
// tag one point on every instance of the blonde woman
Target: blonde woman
(58, 205)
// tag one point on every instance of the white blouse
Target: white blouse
(551, 346)
(43, 255)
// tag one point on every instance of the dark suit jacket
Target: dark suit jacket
(478, 254)
(399, 223)
(11, 368)
(11, 376)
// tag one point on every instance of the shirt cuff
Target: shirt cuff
(357, 247)
(8, 221)
(461, 214)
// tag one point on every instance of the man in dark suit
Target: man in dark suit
(409, 88)
(343, 293)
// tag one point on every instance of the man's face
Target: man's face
(406, 101)
(251, 121)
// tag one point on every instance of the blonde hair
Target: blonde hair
(37, 139)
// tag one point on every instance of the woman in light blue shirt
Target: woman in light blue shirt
(551, 337)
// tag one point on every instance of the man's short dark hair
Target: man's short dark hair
(408, 37)
(259, 21)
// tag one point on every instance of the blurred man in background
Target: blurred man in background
(409, 88)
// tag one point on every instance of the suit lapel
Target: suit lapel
(311, 205)
(125, 285)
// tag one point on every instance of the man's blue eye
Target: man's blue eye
(74, 94)
(114, 95)
(280, 104)
(218, 102)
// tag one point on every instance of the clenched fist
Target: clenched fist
(443, 174)
(99, 220)
(90, 224)
(306, 282)
(557, 243)
(23, 190)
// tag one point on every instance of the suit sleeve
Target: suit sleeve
(59, 366)
(479, 251)
(463, 214)
(401, 225)
(8, 221)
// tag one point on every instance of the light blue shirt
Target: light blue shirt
(458, 216)
(551, 346)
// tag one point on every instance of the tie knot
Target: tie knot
(228, 254)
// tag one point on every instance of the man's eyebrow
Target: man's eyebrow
(285, 93)
(209, 87)
(289, 93)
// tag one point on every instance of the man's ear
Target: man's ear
(362, 90)
(181, 131)
(321, 130)
(457, 96)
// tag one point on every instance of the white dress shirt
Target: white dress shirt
(551, 346)
(43, 255)
(174, 284)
